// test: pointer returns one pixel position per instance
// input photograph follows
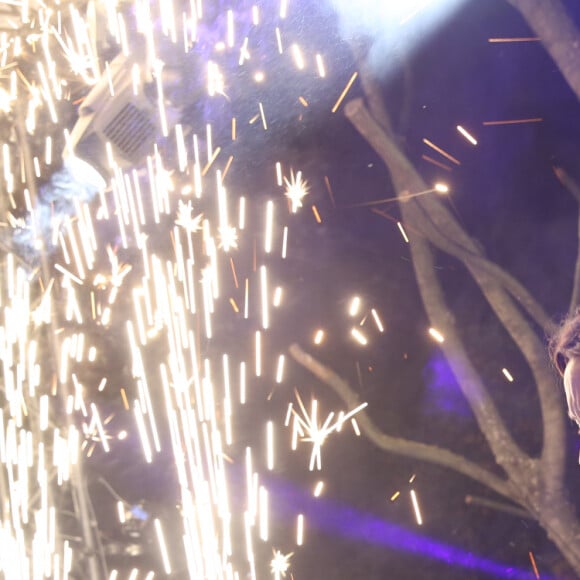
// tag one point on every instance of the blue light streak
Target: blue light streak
(344, 521)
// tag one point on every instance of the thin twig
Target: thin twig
(413, 449)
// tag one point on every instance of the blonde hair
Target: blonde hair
(565, 343)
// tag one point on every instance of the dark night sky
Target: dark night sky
(506, 194)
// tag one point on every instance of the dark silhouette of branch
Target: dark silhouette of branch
(413, 449)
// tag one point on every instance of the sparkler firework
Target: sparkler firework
(120, 282)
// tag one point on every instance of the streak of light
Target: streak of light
(436, 163)
(507, 375)
(300, 530)
(280, 369)
(277, 297)
(467, 135)
(318, 336)
(270, 445)
(344, 92)
(283, 8)
(359, 336)
(121, 512)
(211, 161)
(258, 354)
(146, 445)
(355, 426)
(316, 214)
(162, 546)
(279, 181)
(303, 101)
(68, 274)
(263, 511)
(242, 213)
(515, 39)
(513, 121)
(441, 151)
(264, 297)
(329, 189)
(288, 415)
(284, 242)
(279, 41)
(268, 235)
(436, 335)
(377, 320)
(320, 66)
(298, 58)
(354, 307)
(416, 508)
(124, 399)
(395, 496)
(234, 272)
(534, 565)
(242, 383)
(263, 116)
(318, 489)
(244, 53)
(227, 167)
(403, 233)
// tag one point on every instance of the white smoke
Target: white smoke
(392, 27)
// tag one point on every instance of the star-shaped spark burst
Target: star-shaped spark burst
(118, 269)
(186, 220)
(296, 189)
(280, 564)
(96, 433)
(228, 237)
(308, 427)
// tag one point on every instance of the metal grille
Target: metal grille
(130, 131)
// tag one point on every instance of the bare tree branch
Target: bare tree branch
(418, 213)
(413, 449)
(539, 484)
(570, 184)
(439, 232)
(560, 37)
(573, 187)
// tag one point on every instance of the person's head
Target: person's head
(565, 354)
(565, 343)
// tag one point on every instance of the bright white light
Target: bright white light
(84, 172)
(392, 26)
